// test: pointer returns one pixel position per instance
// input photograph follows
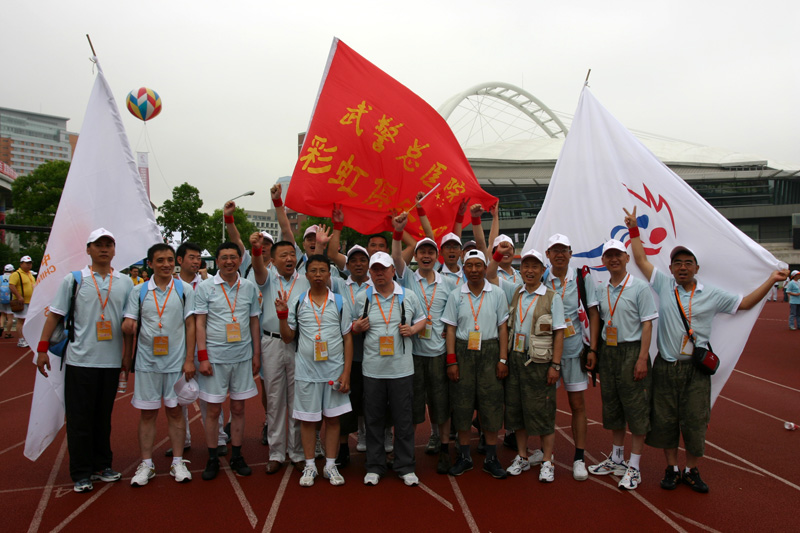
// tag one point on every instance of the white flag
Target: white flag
(602, 169)
(103, 189)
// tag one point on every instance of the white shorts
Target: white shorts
(575, 379)
(236, 378)
(5, 308)
(313, 400)
(150, 388)
(22, 313)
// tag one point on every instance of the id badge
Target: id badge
(320, 351)
(161, 345)
(427, 333)
(687, 346)
(519, 342)
(387, 345)
(103, 330)
(570, 329)
(234, 332)
(474, 340)
(611, 336)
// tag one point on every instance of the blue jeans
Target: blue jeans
(794, 315)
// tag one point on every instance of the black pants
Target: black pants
(396, 396)
(89, 399)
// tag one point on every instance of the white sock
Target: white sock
(330, 461)
(618, 454)
(634, 460)
(309, 462)
(176, 460)
(676, 469)
(148, 462)
(687, 470)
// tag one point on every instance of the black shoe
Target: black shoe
(482, 445)
(443, 466)
(692, 478)
(212, 469)
(493, 467)
(343, 458)
(222, 450)
(240, 467)
(227, 430)
(462, 465)
(671, 479)
(510, 441)
(264, 440)
(168, 453)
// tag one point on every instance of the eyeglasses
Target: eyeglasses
(560, 251)
(679, 264)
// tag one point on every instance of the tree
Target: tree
(214, 229)
(182, 214)
(35, 199)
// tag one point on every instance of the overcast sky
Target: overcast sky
(238, 79)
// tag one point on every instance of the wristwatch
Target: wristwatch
(504, 361)
(556, 367)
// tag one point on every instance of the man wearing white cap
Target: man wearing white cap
(163, 310)
(627, 309)
(681, 395)
(93, 358)
(6, 317)
(793, 291)
(21, 284)
(506, 271)
(451, 255)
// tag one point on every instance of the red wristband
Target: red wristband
(277, 202)
(497, 256)
(229, 219)
(451, 359)
(257, 251)
(282, 315)
(476, 221)
(202, 355)
(43, 347)
(338, 226)
(420, 211)
(397, 235)
(633, 232)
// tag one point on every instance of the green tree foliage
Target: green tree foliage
(35, 200)
(214, 229)
(182, 214)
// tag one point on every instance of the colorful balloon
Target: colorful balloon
(144, 103)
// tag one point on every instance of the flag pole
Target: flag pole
(426, 195)
(90, 44)
(585, 82)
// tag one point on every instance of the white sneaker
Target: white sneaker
(609, 467)
(333, 474)
(519, 466)
(547, 472)
(319, 451)
(371, 479)
(22, 343)
(631, 479)
(309, 473)
(144, 473)
(180, 472)
(536, 457)
(579, 472)
(388, 441)
(410, 479)
(361, 446)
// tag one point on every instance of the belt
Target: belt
(270, 334)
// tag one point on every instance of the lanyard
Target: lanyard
(608, 294)
(377, 300)
(99, 296)
(352, 296)
(428, 305)
(155, 299)
(688, 318)
(280, 280)
(233, 309)
(321, 314)
(472, 308)
(563, 286)
(521, 316)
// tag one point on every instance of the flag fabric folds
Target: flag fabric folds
(602, 169)
(103, 189)
(372, 145)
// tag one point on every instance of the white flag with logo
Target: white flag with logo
(602, 169)
(103, 189)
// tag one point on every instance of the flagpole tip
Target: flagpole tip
(586, 81)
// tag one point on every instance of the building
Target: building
(265, 221)
(29, 139)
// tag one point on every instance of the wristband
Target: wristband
(633, 232)
(277, 202)
(420, 211)
(43, 347)
(451, 359)
(202, 355)
(476, 221)
(397, 235)
(282, 315)
(497, 256)
(257, 251)
(229, 219)
(452, 364)
(338, 226)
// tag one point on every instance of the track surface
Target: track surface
(750, 466)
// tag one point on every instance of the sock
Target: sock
(317, 435)
(330, 461)
(310, 462)
(148, 462)
(465, 451)
(491, 451)
(444, 447)
(434, 430)
(674, 468)
(634, 460)
(578, 455)
(176, 460)
(236, 451)
(618, 454)
(212, 453)
(687, 470)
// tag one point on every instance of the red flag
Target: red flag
(372, 145)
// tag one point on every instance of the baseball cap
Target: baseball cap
(681, 249)
(428, 241)
(187, 391)
(269, 236)
(99, 233)
(793, 274)
(26, 259)
(614, 245)
(309, 230)
(356, 249)
(558, 239)
(475, 254)
(469, 244)
(502, 238)
(9, 268)
(381, 258)
(533, 253)
(451, 237)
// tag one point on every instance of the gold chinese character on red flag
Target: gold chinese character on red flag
(432, 175)
(346, 168)
(314, 156)
(382, 194)
(385, 132)
(413, 153)
(354, 116)
(453, 189)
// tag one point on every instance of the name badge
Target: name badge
(103, 330)
(687, 346)
(427, 333)
(570, 329)
(611, 336)
(474, 340)
(320, 351)
(161, 345)
(519, 342)
(387, 345)
(234, 332)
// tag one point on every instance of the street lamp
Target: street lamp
(248, 193)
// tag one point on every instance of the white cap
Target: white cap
(681, 249)
(356, 249)
(475, 254)
(310, 229)
(502, 238)
(9, 268)
(269, 236)
(26, 259)
(451, 237)
(793, 274)
(381, 258)
(187, 391)
(533, 253)
(614, 245)
(98, 233)
(558, 239)
(426, 240)
(468, 244)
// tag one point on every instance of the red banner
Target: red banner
(372, 146)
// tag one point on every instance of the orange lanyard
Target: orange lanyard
(321, 314)
(291, 287)
(521, 316)
(563, 286)
(428, 305)
(377, 300)
(513, 276)
(155, 299)
(233, 309)
(608, 294)
(474, 314)
(99, 296)
(688, 318)
(352, 296)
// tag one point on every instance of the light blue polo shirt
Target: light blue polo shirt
(514, 278)
(527, 298)
(435, 294)
(211, 301)
(456, 278)
(493, 311)
(401, 364)
(636, 305)
(573, 345)
(707, 302)
(331, 329)
(173, 322)
(350, 289)
(87, 351)
(295, 285)
(793, 286)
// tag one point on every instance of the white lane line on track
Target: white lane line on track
(464, 507)
(237, 488)
(17, 445)
(48, 489)
(751, 408)
(768, 381)
(754, 466)
(436, 496)
(276, 502)
(14, 363)
(694, 523)
(16, 397)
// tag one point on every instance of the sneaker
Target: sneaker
(520, 465)
(433, 445)
(671, 478)
(631, 479)
(494, 468)
(482, 445)
(579, 472)
(239, 466)
(692, 478)
(510, 441)
(180, 472)
(388, 441)
(144, 473)
(361, 445)
(22, 344)
(371, 479)
(343, 458)
(443, 466)
(332, 473)
(309, 473)
(410, 479)
(83, 485)
(222, 450)
(107, 475)
(264, 439)
(536, 457)
(319, 451)
(546, 472)
(609, 467)
(212, 469)
(462, 465)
